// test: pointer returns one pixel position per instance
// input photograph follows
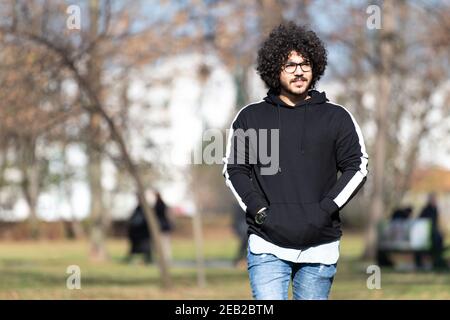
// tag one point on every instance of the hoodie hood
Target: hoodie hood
(316, 98)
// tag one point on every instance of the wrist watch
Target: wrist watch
(261, 216)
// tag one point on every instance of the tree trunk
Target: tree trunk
(74, 229)
(198, 236)
(384, 91)
(97, 209)
(33, 190)
(271, 15)
(30, 182)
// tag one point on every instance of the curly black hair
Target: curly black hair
(275, 50)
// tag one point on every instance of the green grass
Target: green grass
(37, 270)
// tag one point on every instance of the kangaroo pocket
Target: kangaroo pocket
(297, 225)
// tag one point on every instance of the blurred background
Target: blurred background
(106, 103)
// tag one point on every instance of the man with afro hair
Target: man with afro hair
(292, 202)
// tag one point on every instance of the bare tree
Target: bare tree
(71, 57)
(28, 115)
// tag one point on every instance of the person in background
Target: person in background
(402, 213)
(165, 224)
(430, 211)
(139, 235)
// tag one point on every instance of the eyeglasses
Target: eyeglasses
(291, 67)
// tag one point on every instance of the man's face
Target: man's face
(296, 82)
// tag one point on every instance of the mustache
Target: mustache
(299, 78)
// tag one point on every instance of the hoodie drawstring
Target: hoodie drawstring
(302, 137)
(315, 98)
(279, 128)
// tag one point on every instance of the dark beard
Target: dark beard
(289, 91)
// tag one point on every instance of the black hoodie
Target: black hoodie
(317, 139)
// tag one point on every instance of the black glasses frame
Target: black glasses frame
(302, 66)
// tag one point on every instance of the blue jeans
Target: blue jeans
(270, 278)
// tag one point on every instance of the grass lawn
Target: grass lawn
(37, 270)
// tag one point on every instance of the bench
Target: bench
(406, 236)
